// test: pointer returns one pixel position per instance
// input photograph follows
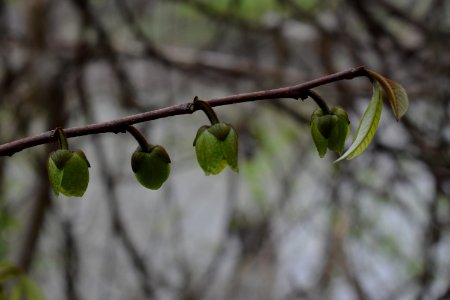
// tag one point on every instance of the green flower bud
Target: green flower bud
(340, 113)
(151, 167)
(216, 146)
(68, 172)
(329, 131)
(340, 131)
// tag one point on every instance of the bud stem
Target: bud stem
(207, 109)
(319, 101)
(139, 137)
(62, 138)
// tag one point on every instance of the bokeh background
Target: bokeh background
(290, 225)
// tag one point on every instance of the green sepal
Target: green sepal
(151, 168)
(326, 124)
(230, 149)
(220, 130)
(340, 131)
(83, 156)
(60, 157)
(199, 132)
(217, 148)
(338, 136)
(330, 131)
(320, 141)
(68, 172)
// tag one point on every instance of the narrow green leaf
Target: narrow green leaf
(396, 94)
(367, 126)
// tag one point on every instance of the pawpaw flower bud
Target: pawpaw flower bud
(329, 131)
(68, 172)
(216, 146)
(151, 166)
(340, 131)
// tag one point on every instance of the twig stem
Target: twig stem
(121, 125)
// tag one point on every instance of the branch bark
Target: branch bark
(301, 91)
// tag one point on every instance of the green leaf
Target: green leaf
(367, 126)
(396, 94)
(71, 178)
(320, 142)
(151, 168)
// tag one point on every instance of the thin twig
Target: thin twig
(120, 125)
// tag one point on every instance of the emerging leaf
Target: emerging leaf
(151, 168)
(367, 126)
(396, 94)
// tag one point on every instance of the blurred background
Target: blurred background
(290, 225)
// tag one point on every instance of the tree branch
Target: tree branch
(120, 125)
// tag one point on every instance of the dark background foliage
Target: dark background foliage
(290, 225)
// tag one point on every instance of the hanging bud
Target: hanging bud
(329, 131)
(216, 146)
(68, 172)
(151, 167)
(340, 131)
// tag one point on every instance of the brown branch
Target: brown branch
(120, 125)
